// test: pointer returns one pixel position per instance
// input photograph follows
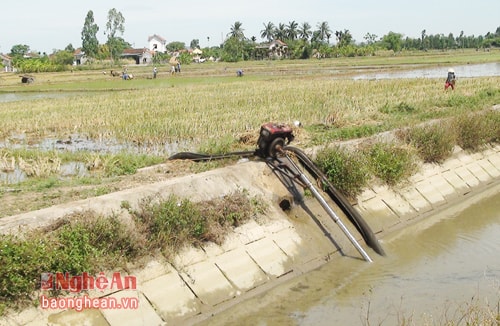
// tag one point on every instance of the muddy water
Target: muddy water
(432, 272)
(26, 96)
(462, 71)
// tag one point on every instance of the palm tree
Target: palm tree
(423, 38)
(268, 31)
(305, 31)
(324, 30)
(292, 31)
(236, 31)
(344, 38)
(280, 32)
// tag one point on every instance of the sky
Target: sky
(51, 25)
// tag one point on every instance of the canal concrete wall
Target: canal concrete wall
(264, 252)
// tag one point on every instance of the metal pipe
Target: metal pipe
(329, 210)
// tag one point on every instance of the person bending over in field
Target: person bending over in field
(450, 80)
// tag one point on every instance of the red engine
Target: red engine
(271, 137)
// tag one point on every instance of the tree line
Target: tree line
(302, 42)
(59, 60)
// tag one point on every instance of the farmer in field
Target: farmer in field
(155, 71)
(450, 80)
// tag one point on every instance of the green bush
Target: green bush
(473, 131)
(346, 170)
(434, 142)
(21, 263)
(86, 242)
(168, 224)
(82, 242)
(390, 162)
(493, 118)
(74, 251)
(171, 223)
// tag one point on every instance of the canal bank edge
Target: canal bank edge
(264, 252)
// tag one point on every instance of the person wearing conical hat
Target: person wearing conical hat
(450, 80)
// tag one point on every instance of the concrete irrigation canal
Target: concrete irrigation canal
(203, 282)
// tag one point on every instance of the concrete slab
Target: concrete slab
(440, 183)
(88, 317)
(171, 297)
(289, 241)
(493, 171)
(366, 194)
(241, 270)
(430, 170)
(451, 164)
(416, 200)
(151, 270)
(417, 177)
(209, 283)
(189, 256)
(489, 150)
(467, 176)
(212, 249)
(476, 156)
(30, 316)
(276, 226)
(456, 182)
(431, 194)
(378, 213)
(379, 188)
(479, 172)
(495, 160)
(144, 314)
(464, 157)
(269, 257)
(231, 242)
(250, 232)
(397, 204)
(315, 241)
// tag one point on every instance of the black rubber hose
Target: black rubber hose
(353, 215)
(208, 157)
(334, 194)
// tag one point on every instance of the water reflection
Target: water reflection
(30, 96)
(77, 143)
(10, 173)
(434, 271)
(462, 71)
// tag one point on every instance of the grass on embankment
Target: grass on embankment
(86, 242)
(350, 170)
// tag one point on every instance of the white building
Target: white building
(157, 43)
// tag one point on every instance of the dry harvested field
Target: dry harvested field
(106, 129)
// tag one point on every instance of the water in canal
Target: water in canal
(436, 271)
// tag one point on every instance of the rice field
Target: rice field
(207, 102)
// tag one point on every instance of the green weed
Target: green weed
(472, 131)
(87, 242)
(477, 129)
(347, 170)
(171, 223)
(434, 142)
(391, 163)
